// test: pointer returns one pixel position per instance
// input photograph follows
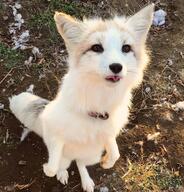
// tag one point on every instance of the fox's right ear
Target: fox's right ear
(140, 23)
(68, 27)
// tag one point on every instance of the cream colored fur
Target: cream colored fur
(64, 124)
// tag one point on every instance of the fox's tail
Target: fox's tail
(27, 108)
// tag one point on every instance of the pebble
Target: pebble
(1, 106)
(114, 174)
(21, 162)
(30, 88)
(170, 62)
(5, 18)
(104, 189)
(148, 89)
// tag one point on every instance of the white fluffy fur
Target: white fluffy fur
(67, 130)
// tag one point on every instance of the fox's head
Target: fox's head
(111, 51)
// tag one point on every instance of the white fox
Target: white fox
(106, 61)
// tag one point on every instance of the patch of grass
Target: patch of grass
(44, 21)
(1, 7)
(10, 58)
(151, 176)
(67, 7)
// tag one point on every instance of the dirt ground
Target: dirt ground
(151, 113)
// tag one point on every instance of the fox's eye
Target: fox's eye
(126, 48)
(97, 48)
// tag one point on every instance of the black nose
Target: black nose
(115, 67)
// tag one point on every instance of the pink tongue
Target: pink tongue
(115, 78)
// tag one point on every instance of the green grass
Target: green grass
(43, 20)
(67, 7)
(1, 7)
(10, 58)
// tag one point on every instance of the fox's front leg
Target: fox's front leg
(55, 150)
(112, 154)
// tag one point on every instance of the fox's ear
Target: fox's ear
(140, 23)
(68, 27)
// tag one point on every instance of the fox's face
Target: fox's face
(108, 50)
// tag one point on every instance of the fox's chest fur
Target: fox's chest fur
(73, 103)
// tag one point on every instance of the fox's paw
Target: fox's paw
(88, 185)
(108, 162)
(63, 176)
(48, 170)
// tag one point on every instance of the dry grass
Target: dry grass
(151, 174)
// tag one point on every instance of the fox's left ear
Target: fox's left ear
(68, 27)
(140, 23)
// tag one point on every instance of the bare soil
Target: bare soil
(21, 163)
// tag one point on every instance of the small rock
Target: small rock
(114, 174)
(5, 18)
(104, 189)
(30, 88)
(170, 62)
(180, 118)
(1, 106)
(148, 89)
(21, 162)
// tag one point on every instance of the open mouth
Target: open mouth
(113, 78)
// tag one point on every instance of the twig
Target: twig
(21, 187)
(75, 186)
(2, 80)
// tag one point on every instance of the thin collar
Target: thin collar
(96, 115)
